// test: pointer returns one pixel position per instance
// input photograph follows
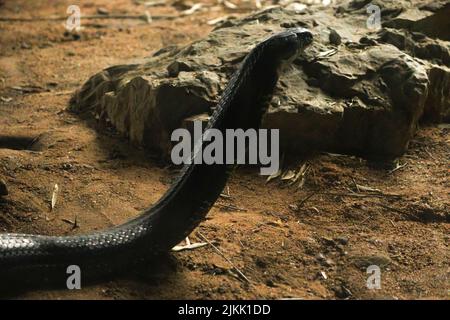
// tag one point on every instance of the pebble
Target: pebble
(270, 283)
(324, 260)
(342, 240)
(328, 241)
(3, 188)
(334, 37)
(102, 11)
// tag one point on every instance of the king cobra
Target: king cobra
(26, 258)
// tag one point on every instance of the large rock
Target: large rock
(430, 19)
(364, 96)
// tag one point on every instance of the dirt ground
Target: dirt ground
(313, 242)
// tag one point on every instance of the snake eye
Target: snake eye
(304, 36)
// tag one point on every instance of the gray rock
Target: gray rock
(434, 23)
(379, 260)
(365, 99)
(417, 45)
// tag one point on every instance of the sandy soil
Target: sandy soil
(312, 242)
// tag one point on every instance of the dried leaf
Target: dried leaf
(274, 175)
(288, 175)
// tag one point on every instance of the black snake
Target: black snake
(26, 258)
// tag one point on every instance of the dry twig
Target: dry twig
(239, 272)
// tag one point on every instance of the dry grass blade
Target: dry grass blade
(239, 272)
(215, 21)
(150, 3)
(229, 5)
(362, 195)
(326, 54)
(74, 223)
(54, 196)
(230, 207)
(273, 176)
(303, 201)
(195, 7)
(398, 167)
(301, 174)
(360, 188)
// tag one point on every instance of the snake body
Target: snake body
(38, 258)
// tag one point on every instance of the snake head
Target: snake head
(287, 45)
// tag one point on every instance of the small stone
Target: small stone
(342, 240)
(102, 11)
(261, 263)
(76, 36)
(342, 292)
(322, 275)
(324, 260)
(25, 45)
(334, 37)
(176, 67)
(3, 188)
(270, 283)
(320, 257)
(297, 7)
(328, 241)
(328, 262)
(221, 290)
(67, 166)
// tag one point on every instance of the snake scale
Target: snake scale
(28, 259)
